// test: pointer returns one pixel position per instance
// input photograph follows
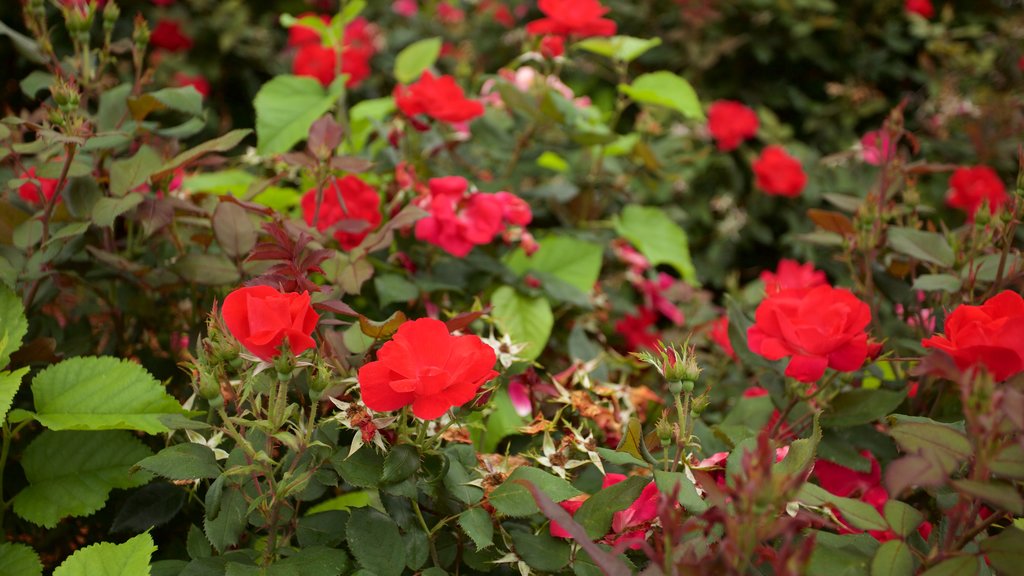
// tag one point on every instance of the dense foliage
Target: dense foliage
(475, 286)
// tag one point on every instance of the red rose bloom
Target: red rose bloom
(990, 336)
(315, 60)
(299, 36)
(731, 123)
(168, 35)
(353, 221)
(818, 327)
(31, 193)
(639, 330)
(440, 98)
(202, 85)
(921, 7)
(779, 174)
(720, 336)
(459, 221)
(426, 367)
(261, 319)
(572, 17)
(792, 274)
(552, 46)
(970, 187)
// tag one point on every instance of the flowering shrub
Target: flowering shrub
(554, 287)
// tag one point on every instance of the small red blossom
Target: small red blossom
(197, 81)
(970, 187)
(552, 46)
(720, 335)
(779, 174)
(922, 8)
(299, 35)
(168, 35)
(353, 216)
(572, 18)
(876, 147)
(437, 97)
(262, 319)
(639, 329)
(989, 336)
(654, 297)
(792, 274)
(316, 60)
(30, 192)
(426, 367)
(818, 328)
(730, 123)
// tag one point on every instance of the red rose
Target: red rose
(299, 35)
(440, 98)
(818, 327)
(970, 187)
(353, 221)
(639, 330)
(261, 319)
(552, 46)
(792, 274)
(989, 336)
(315, 60)
(459, 221)
(426, 367)
(778, 173)
(572, 17)
(202, 85)
(731, 123)
(169, 36)
(31, 193)
(720, 336)
(921, 7)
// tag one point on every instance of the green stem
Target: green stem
(423, 524)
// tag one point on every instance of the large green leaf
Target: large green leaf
(72, 473)
(221, 143)
(524, 318)
(925, 246)
(542, 552)
(687, 496)
(576, 262)
(861, 406)
(285, 109)
(856, 513)
(1005, 551)
(624, 48)
(477, 524)
(13, 324)
(936, 442)
(129, 173)
(415, 58)
(513, 498)
(185, 461)
(375, 541)
(19, 559)
(665, 89)
(658, 238)
(893, 559)
(108, 559)
(101, 394)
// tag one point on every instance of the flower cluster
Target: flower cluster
(315, 59)
(460, 219)
(349, 207)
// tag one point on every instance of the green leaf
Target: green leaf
(801, 453)
(513, 498)
(937, 283)
(128, 174)
(36, 82)
(893, 559)
(461, 464)
(956, 566)
(861, 406)
(26, 46)
(206, 269)
(186, 461)
(183, 99)
(393, 288)
(658, 238)
(1001, 495)
(10, 382)
(624, 48)
(1005, 551)
(235, 232)
(902, 517)
(477, 524)
(72, 473)
(285, 109)
(322, 529)
(687, 496)
(107, 559)
(576, 262)
(524, 318)
(542, 552)
(595, 515)
(374, 540)
(89, 393)
(1009, 462)
(938, 443)
(925, 246)
(858, 514)
(415, 58)
(665, 89)
(218, 144)
(226, 509)
(13, 324)
(401, 462)
(19, 559)
(315, 561)
(106, 210)
(847, 555)
(363, 469)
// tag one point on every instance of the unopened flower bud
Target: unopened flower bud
(664, 430)
(140, 34)
(65, 94)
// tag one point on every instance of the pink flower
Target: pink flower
(876, 148)
(405, 8)
(460, 220)
(792, 274)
